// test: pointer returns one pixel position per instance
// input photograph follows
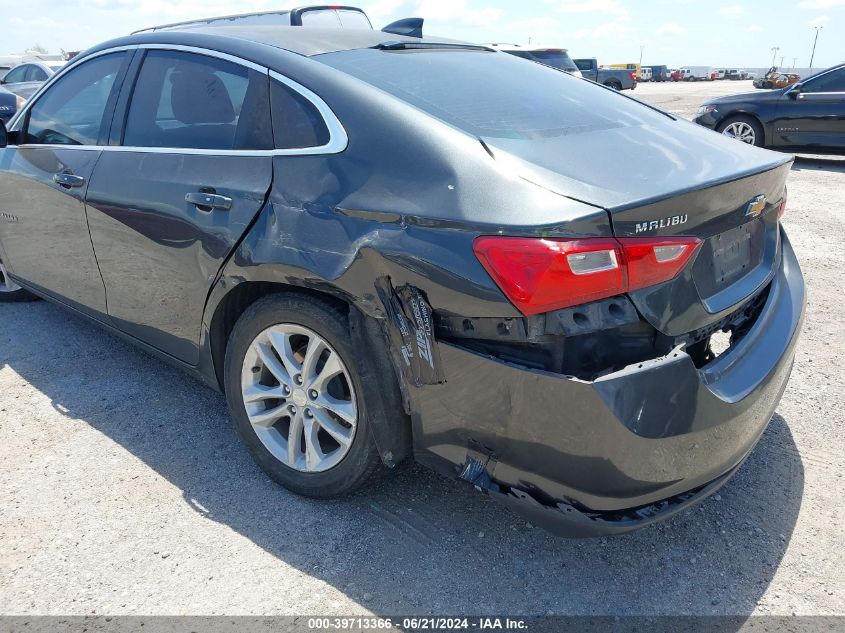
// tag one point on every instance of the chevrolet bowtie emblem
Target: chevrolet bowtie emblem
(756, 206)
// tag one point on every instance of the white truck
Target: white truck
(696, 73)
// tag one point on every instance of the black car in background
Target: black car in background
(9, 104)
(382, 247)
(555, 57)
(806, 117)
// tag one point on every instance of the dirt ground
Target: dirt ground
(125, 491)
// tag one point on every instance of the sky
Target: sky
(672, 32)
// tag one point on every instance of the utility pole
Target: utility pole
(775, 50)
(815, 41)
(794, 61)
(781, 61)
(642, 47)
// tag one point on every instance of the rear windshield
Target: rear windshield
(490, 94)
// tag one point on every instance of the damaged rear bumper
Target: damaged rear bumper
(584, 458)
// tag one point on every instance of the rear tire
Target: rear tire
(612, 83)
(334, 453)
(10, 292)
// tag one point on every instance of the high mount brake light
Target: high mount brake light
(540, 275)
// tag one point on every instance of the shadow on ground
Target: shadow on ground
(415, 543)
(819, 163)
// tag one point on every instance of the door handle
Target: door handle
(209, 201)
(68, 180)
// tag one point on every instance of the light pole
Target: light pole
(815, 41)
(775, 50)
(781, 61)
(794, 61)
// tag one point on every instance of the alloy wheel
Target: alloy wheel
(299, 398)
(6, 284)
(741, 131)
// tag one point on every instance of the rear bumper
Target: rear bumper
(585, 458)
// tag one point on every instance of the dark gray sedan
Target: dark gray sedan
(383, 247)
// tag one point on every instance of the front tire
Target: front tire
(296, 399)
(10, 292)
(743, 128)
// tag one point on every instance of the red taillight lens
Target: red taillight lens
(541, 275)
(651, 261)
(633, 75)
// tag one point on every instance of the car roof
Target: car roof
(529, 49)
(303, 40)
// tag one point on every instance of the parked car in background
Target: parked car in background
(555, 57)
(733, 74)
(747, 74)
(808, 116)
(660, 73)
(522, 298)
(777, 80)
(720, 73)
(696, 73)
(645, 74)
(26, 78)
(676, 75)
(617, 79)
(10, 103)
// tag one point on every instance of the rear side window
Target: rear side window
(297, 123)
(489, 94)
(37, 74)
(71, 111)
(190, 101)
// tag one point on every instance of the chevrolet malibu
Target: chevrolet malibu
(382, 247)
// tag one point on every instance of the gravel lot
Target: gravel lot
(125, 491)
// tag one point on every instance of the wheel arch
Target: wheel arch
(393, 437)
(238, 299)
(751, 114)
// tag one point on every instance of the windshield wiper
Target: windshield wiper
(407, 46)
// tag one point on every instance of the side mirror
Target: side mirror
(4, 135)
(794, 92)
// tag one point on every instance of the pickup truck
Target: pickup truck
(612, 78)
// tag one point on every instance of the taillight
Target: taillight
(633, 75)
(541, 275)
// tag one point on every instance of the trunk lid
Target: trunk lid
(654, 183)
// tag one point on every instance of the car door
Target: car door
(44, 178)
(168, 204)
(812, 116)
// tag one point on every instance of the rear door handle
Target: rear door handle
(68, 180)
(209, 201)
